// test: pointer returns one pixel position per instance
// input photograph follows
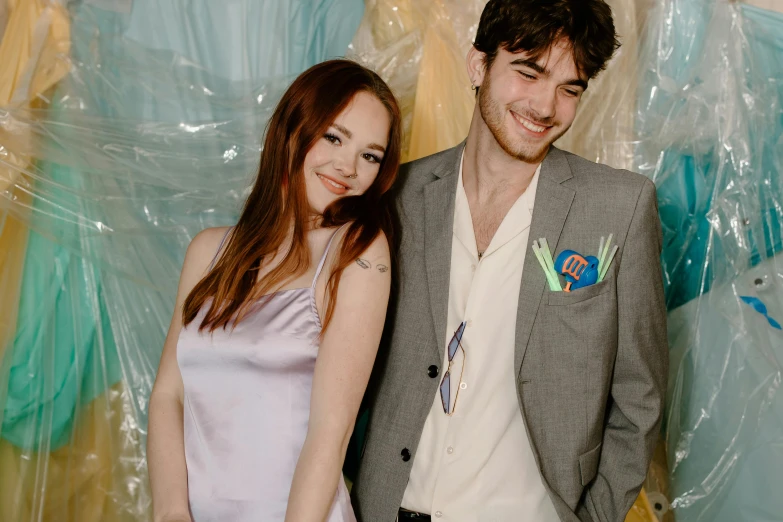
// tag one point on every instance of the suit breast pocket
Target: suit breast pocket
(585, 318)
(577, 296)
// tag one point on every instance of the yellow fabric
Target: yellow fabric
(34, 50)
(3, 17)
(641, 511)
(603, 130)
(388, 40)
(13, 244)
(77, 481)
(444, 98)
(392, 20)
(656, 487)
(419, 47)
(33, 58)
(74, 482)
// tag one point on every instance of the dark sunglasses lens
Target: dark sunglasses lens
(445, 392)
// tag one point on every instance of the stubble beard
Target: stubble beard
(492, 114)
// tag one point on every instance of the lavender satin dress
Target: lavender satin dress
(247, 405)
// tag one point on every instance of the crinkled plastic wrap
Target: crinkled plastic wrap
(419, 47)
(152, 133)
(603, 130)
(708, 132)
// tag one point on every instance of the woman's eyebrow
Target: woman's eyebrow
(349, 134)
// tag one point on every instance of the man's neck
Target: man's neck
(488, 169)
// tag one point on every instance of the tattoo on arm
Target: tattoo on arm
(364, 263)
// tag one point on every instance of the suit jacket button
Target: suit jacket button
(406, 455)
(432, 371)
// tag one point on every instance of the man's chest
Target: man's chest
(486, 220)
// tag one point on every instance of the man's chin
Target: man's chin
(527, 149)
(529, 154)
(534, 151)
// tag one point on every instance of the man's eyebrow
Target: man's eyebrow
(531, 65)
(577, 83)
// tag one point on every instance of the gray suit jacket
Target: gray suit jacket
(591, 365)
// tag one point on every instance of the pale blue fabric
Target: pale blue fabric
(725, 408)
(244, 40)
(153, 136)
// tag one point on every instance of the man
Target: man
(500, 398)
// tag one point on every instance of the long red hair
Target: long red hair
(278, 202)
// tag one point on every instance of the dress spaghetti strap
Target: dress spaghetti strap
(323, 257)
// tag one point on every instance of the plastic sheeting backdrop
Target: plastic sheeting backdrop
(710, 133)
(152, 134)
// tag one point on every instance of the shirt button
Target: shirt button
(472, 268)
(406, 454)
(432, 371)
(463, 385)
(438, 514)
(449, 450)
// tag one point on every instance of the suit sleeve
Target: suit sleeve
(638, 387)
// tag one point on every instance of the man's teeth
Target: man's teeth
(531, 126)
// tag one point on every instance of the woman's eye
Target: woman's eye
(372, 158)
(331, 138)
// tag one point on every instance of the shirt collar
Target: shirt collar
(516, 221)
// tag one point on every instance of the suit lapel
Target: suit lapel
(439, 196)
(553, 201)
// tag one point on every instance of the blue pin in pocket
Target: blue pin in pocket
(579, 271)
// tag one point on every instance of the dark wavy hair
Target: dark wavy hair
(279, 201)
(533, 26)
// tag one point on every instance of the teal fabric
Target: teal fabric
(154, 136)
(710, 130)
(64, 351)
(709, 144)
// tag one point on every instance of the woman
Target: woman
(278, 319)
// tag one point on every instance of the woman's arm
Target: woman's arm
(165, 441)
(342, 369)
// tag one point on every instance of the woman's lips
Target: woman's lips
(332, 185)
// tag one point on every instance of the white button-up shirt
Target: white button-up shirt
(477, 465)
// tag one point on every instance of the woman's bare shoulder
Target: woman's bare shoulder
(203, 249)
